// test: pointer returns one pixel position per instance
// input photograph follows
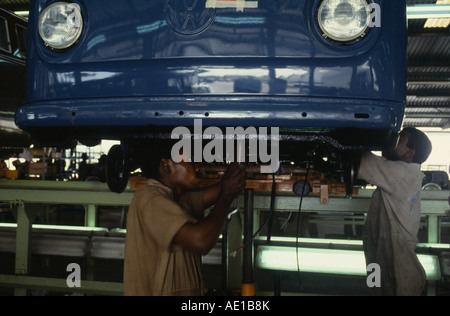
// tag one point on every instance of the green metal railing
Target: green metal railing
(24, 196)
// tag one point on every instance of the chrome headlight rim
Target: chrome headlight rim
(74, 37)
(349, 40)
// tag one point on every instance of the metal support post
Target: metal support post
(25, 218)
(225, 259)
(90, 216)
(234, 256)
(434, 229)
(248, 283)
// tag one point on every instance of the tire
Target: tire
(117, 173)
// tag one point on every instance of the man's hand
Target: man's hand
(212, 193)
(233, 182)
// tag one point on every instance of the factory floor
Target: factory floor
(290, 283)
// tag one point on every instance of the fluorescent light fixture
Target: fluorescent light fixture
(428, 11)
(336, 243)
(23, 14)
(59, 228)
(328, 261)
(329, 242)
(434, 246)
(311, 260)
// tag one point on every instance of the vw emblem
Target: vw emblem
(188, 17)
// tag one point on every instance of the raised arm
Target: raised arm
(201, 236)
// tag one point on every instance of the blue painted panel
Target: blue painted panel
(136, 57)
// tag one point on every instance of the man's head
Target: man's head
(158, 164)
(413, 147)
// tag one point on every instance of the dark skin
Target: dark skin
(201, 237)
(402, 152)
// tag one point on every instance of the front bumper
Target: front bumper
(124, 118)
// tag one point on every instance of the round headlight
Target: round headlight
(60, 25)
(344, 20)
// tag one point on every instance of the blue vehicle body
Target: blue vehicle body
(142, 67)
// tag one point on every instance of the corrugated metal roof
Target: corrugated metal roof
(15, 5)
(427, 122)
(428, 101)
(428, 111)
(424, 73)
(432, 50)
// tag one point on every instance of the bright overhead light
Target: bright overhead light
(428, 11)
(23, 14)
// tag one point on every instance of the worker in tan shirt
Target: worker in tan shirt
(167, 232)
(392, 225)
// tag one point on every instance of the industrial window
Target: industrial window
(22, 41)
(5, 43)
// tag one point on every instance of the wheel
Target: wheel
(117, 173)
(302, 188)
(431, 187)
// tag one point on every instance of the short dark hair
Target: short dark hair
(152, 156)
(420, 143)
